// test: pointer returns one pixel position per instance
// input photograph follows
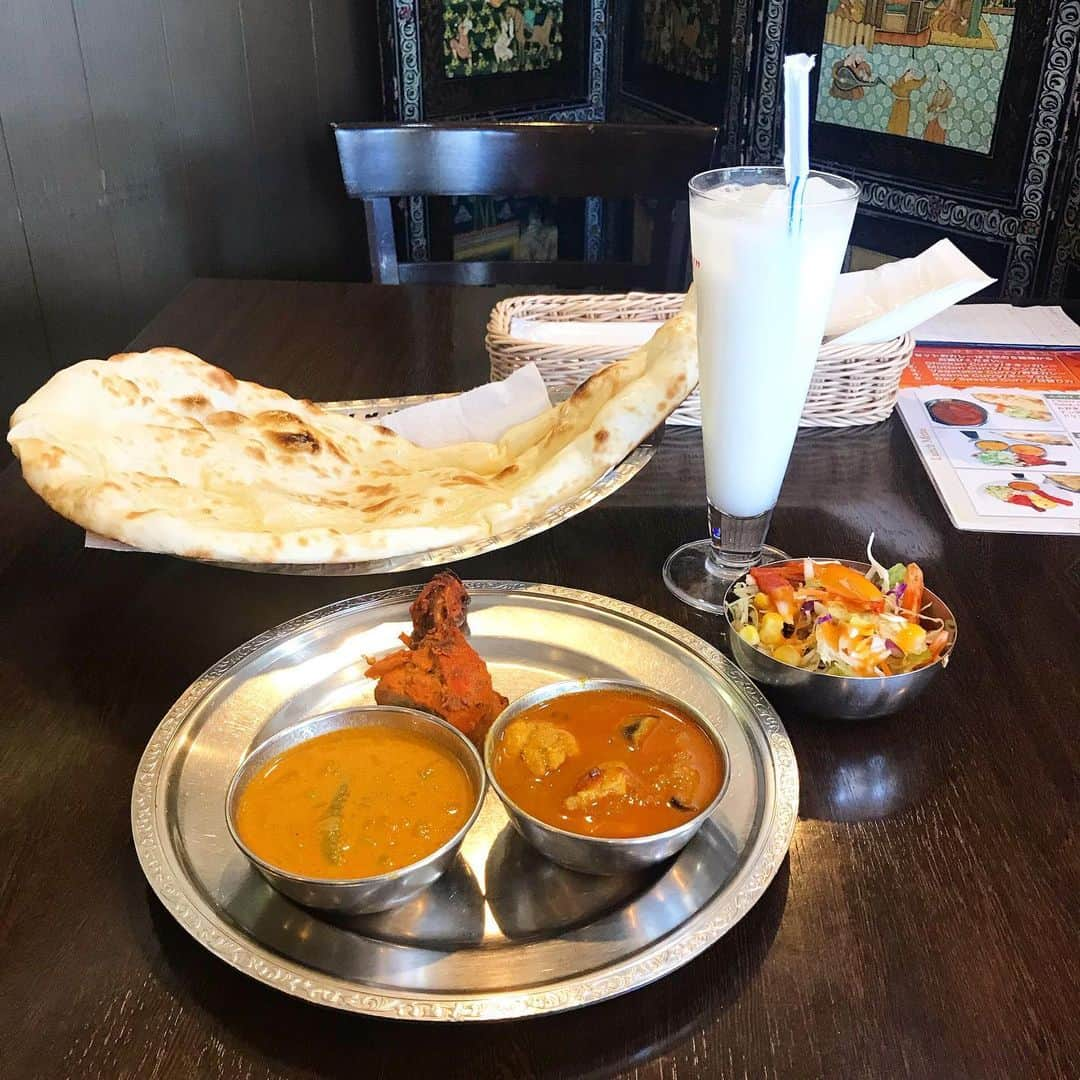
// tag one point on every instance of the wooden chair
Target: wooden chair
(569, 161)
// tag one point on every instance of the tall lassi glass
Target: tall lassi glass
(764, 274)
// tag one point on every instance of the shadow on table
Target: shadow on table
(251, 1020)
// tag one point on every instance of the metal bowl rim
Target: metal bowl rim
(375, 879)
(855, 564)
(569, 687)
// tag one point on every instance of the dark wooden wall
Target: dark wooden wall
(145, 142)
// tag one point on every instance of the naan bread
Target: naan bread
(168, 453)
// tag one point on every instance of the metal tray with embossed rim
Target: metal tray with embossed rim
(504, 933)
(610, 482)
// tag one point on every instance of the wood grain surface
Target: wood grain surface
(924, 924)
(144, 142)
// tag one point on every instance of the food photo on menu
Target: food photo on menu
(558, 683)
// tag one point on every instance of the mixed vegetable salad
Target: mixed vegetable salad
(824, 616)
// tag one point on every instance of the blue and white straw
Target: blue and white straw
(797, 68)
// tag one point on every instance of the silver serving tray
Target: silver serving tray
(372, 409)
(505, 933)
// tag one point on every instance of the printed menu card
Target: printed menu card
(999, 433)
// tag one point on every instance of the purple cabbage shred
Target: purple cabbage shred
(825, 618)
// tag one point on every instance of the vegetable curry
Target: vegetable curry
(608, 763)
(354, 803)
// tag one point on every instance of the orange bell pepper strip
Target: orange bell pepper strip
(849, 585)
(912, 600)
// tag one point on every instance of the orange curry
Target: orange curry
(611, 763)
(354, 803)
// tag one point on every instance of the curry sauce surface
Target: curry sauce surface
(609, 763)
(354, 803)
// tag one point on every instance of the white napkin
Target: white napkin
(877, 305)
(481, 415)
(868, 306)
(625, 334)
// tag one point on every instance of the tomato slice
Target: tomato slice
(790, 571)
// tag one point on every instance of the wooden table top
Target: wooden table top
(923, 925)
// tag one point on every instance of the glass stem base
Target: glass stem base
(700, 573)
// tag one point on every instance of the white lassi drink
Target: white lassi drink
(765, 266)
(764, 285)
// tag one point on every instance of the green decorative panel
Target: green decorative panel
(681, 37)
(492, 37)
(918, 70)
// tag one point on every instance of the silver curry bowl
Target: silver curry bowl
(355, 896)
(845, 697)
(597, 854)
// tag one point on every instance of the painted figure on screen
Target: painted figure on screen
(494, 37)
(920, 69)
(680, 36)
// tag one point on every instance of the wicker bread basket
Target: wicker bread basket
(854, 384)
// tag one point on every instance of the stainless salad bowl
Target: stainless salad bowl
(846, 697)
(356, 896)
(599, 854)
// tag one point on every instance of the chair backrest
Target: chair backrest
(571, 161)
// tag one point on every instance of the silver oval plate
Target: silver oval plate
(504, 933)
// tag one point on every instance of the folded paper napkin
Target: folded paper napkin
(626, 333)
(480, 415)
(877, 305)
(869, 306)
(484, 414)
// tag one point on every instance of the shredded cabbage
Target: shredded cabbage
(866, 637)
(876, 569)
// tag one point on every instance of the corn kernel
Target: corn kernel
(911, 638)
(761, 601)
(771, 628)
(786, 654)
(750, 635)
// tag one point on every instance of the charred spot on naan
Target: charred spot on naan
(122, 388)
(600, 437)
(161, 481)
(335, 450)
(375, 507)
(220, 378)
(382, 429)
(226, 419)
(465, 478)
(193, 401)
(51, 456)
(303, 442)
(373, 489)
(507, 472)
(586, 388)
(288, 432)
